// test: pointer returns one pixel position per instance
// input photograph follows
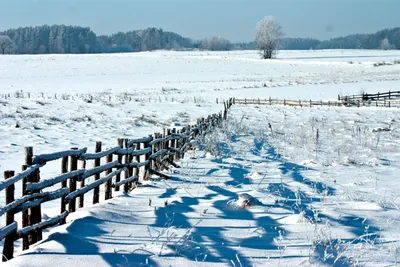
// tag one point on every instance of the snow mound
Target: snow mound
(294, 219)
(365, 206)
(243, 201)
(255, 175)
(307, 162)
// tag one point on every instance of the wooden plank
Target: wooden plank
(6, 230)
(21, 201)
(58, 155)
(42, 225)
(97, 170)
(91, 186)
(126, 181)
(139, 140)
(131, 151)
(47, 196)
(158, 174)
(100, 155)
(58, 179)
(19, 176)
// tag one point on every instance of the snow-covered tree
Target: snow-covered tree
(215, 43)
(385, 44)
(268, 36)
(5, 42)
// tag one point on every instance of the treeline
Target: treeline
(384, 39)
(61, 39)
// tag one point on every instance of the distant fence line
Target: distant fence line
(100, 97)
(371, 97)
(126, 163)
(312, 103)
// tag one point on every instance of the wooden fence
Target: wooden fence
(311, 103)
(371, 97)
(126, 164)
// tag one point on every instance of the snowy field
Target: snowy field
(324, 179)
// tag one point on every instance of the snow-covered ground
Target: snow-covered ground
(326, 199)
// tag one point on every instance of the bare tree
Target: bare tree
(5, 42)
(268, 36)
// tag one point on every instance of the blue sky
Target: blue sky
(232, 19)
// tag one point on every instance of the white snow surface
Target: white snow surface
(330, 200)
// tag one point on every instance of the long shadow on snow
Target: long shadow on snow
(298, 202)
(173, 215)
(294, 171)
(81, 238)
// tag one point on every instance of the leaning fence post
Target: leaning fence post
(8, 249)
(96, 190)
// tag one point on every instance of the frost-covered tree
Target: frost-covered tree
(5, 42)
(385, 44)
(215, 44)
(268, 37)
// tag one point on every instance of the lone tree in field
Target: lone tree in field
(5, 42)
(268, 37)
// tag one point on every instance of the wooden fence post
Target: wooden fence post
(173, 145)
(108, 184)
(8, 249)
(120, 142)
(64, 169)
(96, 191)
(25, 239)
(128, 160)
(136, 172)
(126, 172)
(146, 175)
(34, 213)
(81, 201)
(73, 166)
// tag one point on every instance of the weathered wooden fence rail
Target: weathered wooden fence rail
(311, 103)
(126, 164)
